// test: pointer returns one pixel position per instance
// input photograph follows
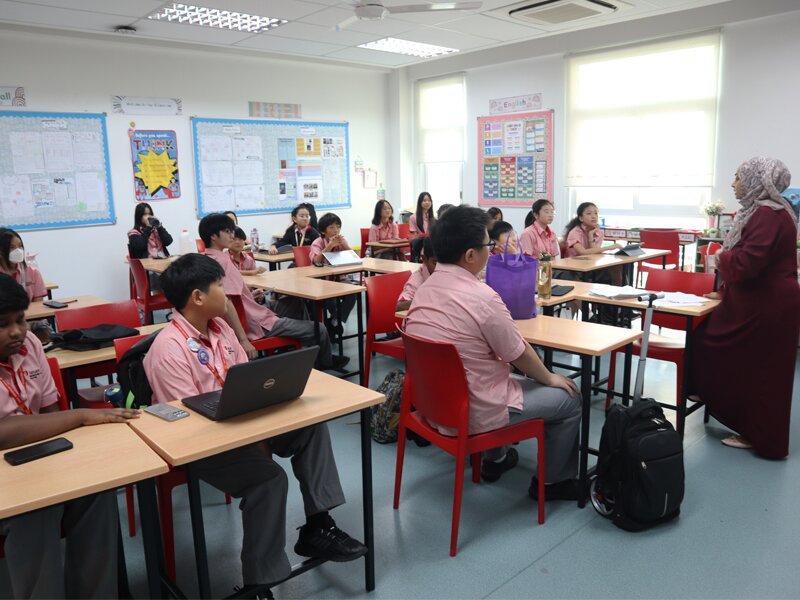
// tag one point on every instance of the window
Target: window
(441, 116)
(642, 130)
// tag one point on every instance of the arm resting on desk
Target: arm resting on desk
(17, 430)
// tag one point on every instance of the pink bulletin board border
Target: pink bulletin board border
(547, 116)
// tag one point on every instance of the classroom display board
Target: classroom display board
(515, 159)
(253, 166)
(54, 170)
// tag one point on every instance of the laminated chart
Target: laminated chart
(515, 156)
(254, 166)
(54, 170)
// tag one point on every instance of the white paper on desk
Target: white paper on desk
(343, 258)
(680, 299)
(615, 292)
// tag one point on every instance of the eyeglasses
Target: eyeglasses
(491, 245)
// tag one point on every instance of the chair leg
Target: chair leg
(475, 461)
(612, 367)
(540, 461)
(398, 471)
(130, 508)
(457, 493)
(167, 529)
(227, 498)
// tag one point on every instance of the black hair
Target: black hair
(494, 211)
(578, 214)
(539, 205)
(421, 213)
(239, 234)
(311, 210)
(376, 217)
(427, 247)
(235, 218)
(190, 272)
(443, 209)
(212, 224)
(459, 229)
(529, 219)
(13, 297)
(6, 235)
(499, 228)
(138, 213)
(327, 220)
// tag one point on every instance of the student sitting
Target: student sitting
(299, 233)
(495, 214)
(243, 261)
(29, 413)
(538, 238)
(504, 237)
(419, 276)
(195, 285)
(384, 229)
(148, 238)
(12, 262)
(216, 231)
(420, 223)
(584, 237)
(454, 307)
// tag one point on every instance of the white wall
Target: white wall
(79, 75)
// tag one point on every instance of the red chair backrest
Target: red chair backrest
(55, 372)
(438, 385)
(382, 294)
(201, 246)
(302, 256)
(114, 313)
(661, 240)
(239, 306)
(364, 240)
(140, 280)
(404, 230)
(122, 345)
(562, 247)
(661, 280)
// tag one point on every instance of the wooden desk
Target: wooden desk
(69, 359)
(37, 310)
(325, 397)
(274, 260)
(594, 262)
(158, 265)
(50, 286)
(389, 244)
(104, 457)
(368, 265)
(586, 340)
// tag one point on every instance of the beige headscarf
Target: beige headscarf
(763, 179)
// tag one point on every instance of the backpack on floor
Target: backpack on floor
(386, 415)
(640, 477)
(91, 338)
(136, 390)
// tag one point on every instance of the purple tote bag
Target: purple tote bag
(514, 278)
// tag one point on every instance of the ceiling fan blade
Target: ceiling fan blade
(346, 23)
(436, 6)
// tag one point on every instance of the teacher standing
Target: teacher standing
(744, 353)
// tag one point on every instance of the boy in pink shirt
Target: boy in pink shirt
(29, 413)
(191, 356)
(419, 276)
(243, 260)
(454, 307)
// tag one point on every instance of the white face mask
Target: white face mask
(16, 256)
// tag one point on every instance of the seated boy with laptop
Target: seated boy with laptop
(192, 356)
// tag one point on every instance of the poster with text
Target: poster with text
(155, 165)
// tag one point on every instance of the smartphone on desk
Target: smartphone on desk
(166, 412)
(54, 304)
(29, 453)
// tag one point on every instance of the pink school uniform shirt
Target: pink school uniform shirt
(378, 233)
(245, 262)
(28, 374)
(175, 372)
(412, 224)
(258, 315)
(535, 240)
(417, 278)
(454, 307)
(318, 245)
(578, 235)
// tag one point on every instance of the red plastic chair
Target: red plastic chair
(655, 239)
(201, 246)
(302, 256)
(706, 252)
(364, 240)
(436, 386)
(670, 349)
(146, 301)
(264, 344)
(404, 231)
(382, 294)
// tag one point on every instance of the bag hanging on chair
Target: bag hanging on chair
(513, 277)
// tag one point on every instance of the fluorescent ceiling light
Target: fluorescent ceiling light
(215, 17)
(398, 46)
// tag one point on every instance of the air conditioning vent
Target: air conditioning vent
(558, 12)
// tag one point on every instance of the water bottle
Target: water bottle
(254, 238)
(545, 279)
(113, 395)
(186, 246)
(381, 192)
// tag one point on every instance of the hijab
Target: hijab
(762, 179)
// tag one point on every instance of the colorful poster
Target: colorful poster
(491, 178)
(525, 177)
(508, 176)
(155, 165)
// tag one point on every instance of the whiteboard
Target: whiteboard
(253, 166)
(54, 170)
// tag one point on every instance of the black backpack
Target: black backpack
(136, 390)
(91, 338)
(640, 477)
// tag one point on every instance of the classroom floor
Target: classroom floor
(736, 536)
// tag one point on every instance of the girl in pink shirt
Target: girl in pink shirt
(332, 240)
(538, 238)
(423, 218)
(383, 229)
(584, 237)
(12, 262)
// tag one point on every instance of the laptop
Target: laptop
(631, 250)
(257, 384)
(345, 258)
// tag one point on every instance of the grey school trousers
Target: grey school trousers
(303, 331)
(33, 549)
(250, 473)
(562, 417)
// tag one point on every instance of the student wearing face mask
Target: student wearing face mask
(12, 262)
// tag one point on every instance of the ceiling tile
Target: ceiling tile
(383, 28)
(373, 57)
(280, 9)
(189, 33)
(328, 17)
(443, 37)
(304, 31)
(494, 29)
(128, 8)
(288, 45)
(37, 15)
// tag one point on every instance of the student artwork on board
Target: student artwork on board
(155, 165)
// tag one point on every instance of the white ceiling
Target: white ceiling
(311, 31)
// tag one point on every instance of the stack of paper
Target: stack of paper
(680, 299)
(615, 292)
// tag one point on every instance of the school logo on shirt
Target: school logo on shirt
(30, 375)
(229, 349)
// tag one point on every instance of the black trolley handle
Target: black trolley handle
(649, 297)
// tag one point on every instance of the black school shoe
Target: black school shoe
(563, 490)
(492, 471)
(257, 592)
(338, 363)
(328, 542)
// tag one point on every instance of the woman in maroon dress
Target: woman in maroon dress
(744, 353)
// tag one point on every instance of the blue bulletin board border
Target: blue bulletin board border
(344, 125)
(111, 219)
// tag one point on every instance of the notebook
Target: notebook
(342, 259)
(257, 384)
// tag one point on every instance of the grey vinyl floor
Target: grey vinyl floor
(738, 535)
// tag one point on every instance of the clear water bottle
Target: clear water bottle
(381, 192)
(186, 246)
(254, 238)
(545, 277)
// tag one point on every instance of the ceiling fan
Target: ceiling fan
(375, 10)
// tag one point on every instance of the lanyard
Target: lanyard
(15, 394)
(203, 358)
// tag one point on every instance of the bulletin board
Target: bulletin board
(54, 170)
(252, 166)
(515, 159)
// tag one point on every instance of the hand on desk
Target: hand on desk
(713, 295)
(95, 416)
